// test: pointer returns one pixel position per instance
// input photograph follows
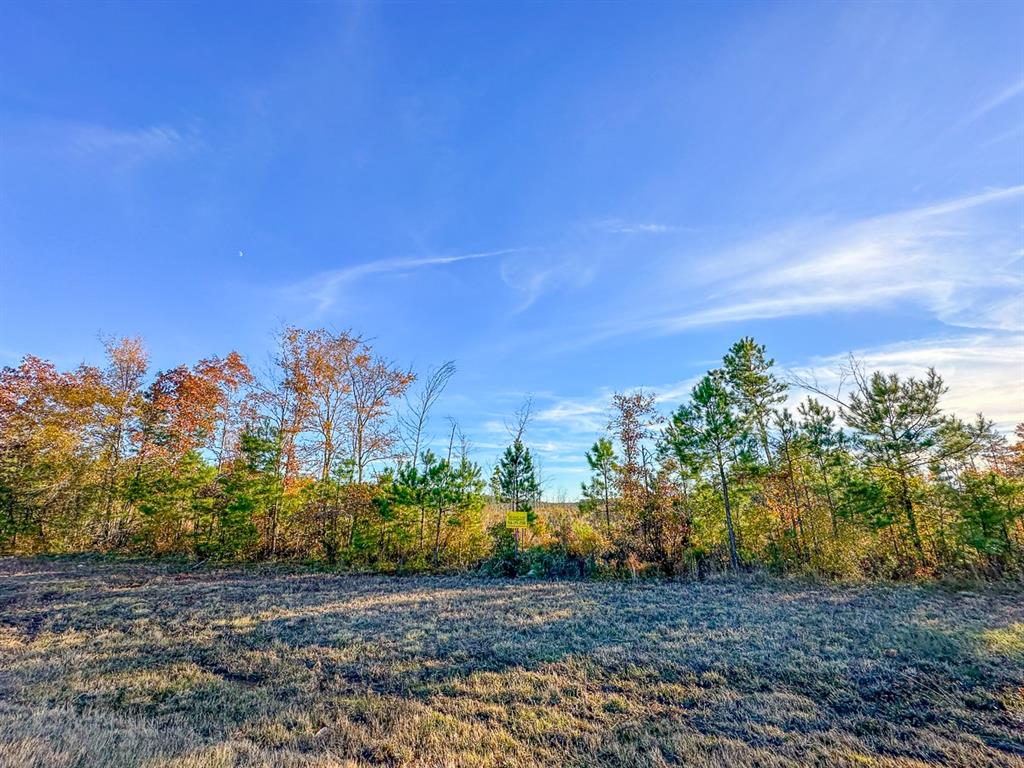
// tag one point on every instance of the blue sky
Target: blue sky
(567, 199)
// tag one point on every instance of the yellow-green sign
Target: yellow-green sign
(516, 520)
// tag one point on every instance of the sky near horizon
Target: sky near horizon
(566, 199)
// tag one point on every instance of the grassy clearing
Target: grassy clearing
(154, 665)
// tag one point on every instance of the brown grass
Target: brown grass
(152, 665)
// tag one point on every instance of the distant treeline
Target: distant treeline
(324, 458)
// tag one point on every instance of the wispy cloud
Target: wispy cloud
(1015, 132)
(996, 100)
(576, 415)
(620, 227)
(579, 260)
(132, 145)
(957, 259)
(532, 276)
(325, 288)
(984, 372)
(573, 423)
(110, 147)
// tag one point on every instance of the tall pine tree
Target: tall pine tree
(753, 387)
(515, 480)
(704, 434)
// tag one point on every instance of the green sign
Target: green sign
(516, 520)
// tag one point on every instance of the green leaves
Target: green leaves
(706, 434)
(753, 387)
(706, 426)
(896, 420)
(204, 461)
(514, 480)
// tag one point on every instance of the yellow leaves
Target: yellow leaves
(127, 362)
(342, 391)
(191, 403)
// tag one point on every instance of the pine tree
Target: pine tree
(896, 423)
(705, 433)
(597, 494)
(753, 387)
(824, 441)
(515, 481)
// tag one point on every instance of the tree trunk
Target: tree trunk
(763, 432)
(908, 508)
(828, 495)
(798, 521)
(733, 557)
(607, 510)
(437, 538)
(423, 525)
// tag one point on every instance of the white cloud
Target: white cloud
(133, 145)
(107, 147)
(1012, 133)
(588, 416)
(996, 100)
(957, 259)
(620, 227)
(983, 372)
(325, 288)
(563, 430)
(532, 276)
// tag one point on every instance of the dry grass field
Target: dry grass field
(155, 665)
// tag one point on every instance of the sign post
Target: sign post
(515, 521)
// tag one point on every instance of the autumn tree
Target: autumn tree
(317, 370)
(234, 409)
(791, 453)
(119, 409)
(201, 408)
(281, 414)
(47, 446)
(205, 461)
(633, 420)
(373, 385)
(344, 394)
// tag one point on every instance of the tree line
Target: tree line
(326, 456)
